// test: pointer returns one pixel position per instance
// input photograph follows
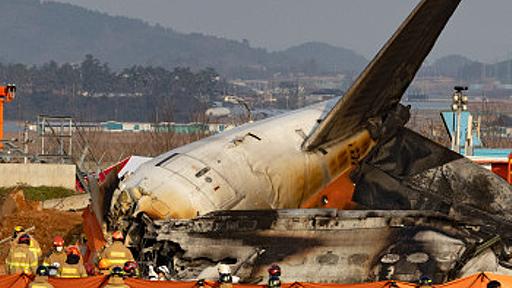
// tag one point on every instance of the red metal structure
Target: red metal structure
(509, 172)
(7, 94)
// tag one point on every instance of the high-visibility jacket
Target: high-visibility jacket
(21, 260)
(55, 257)
(116, 282)
(34, 245)
(40, 282)
(117, 254)
(35, 248)
(72, 271)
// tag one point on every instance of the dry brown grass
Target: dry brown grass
(111, 147)
(106, 148)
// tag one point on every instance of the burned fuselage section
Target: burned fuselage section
(319, 245)
(409, 171)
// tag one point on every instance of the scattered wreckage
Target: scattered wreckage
(420, 209)
(324, 245)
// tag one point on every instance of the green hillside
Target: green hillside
(37, 32)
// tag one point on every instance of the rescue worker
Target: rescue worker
(41, 280)
(425, 282)
(200, 283)
(116, 278)
(152, 276)
(131, 269)
(225, 278)
(72, 268)
(163, 273)
(494, 284)
(75, 250)
(103, 266)
(18, 231)
(117, 254)
(274, 272)
(20, 258)
(54, 269)
(58, 255)
(34, 245)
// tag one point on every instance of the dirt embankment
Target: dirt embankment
(16, 210)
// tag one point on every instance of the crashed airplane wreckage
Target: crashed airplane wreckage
(440, 214)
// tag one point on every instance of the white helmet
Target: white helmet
(152, 274)
(163, 269)
(224, 269)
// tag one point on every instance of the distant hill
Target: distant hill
(36, 32)
(463, 68)
(451, 65)
(324, 57)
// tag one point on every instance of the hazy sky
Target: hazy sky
(480, 29)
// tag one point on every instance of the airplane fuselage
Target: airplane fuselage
(259, 165)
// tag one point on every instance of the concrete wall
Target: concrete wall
(53, 175)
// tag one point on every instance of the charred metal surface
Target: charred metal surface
(409, 171)
(322, 245)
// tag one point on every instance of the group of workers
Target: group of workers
(115, 260)
(25, 255)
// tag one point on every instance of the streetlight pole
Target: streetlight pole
(459, 104)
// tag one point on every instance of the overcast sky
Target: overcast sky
(480, 29)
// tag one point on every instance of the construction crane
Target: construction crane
(7, 94)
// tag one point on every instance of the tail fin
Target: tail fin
(381, 85)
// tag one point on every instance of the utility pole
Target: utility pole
(25, 143)
(459, 104)
(468, 145)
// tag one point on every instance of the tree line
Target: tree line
(92, 91)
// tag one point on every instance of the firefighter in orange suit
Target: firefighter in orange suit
(41, 280)
(116, 278)
(58, 255)
(20, 258)
(116, 254)
(73, 267)
(34, 245)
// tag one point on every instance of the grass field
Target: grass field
(40, 193)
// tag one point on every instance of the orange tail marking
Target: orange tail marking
(338, 194)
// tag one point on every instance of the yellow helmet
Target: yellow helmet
(19, 229)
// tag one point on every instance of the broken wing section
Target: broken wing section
(381, 85)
